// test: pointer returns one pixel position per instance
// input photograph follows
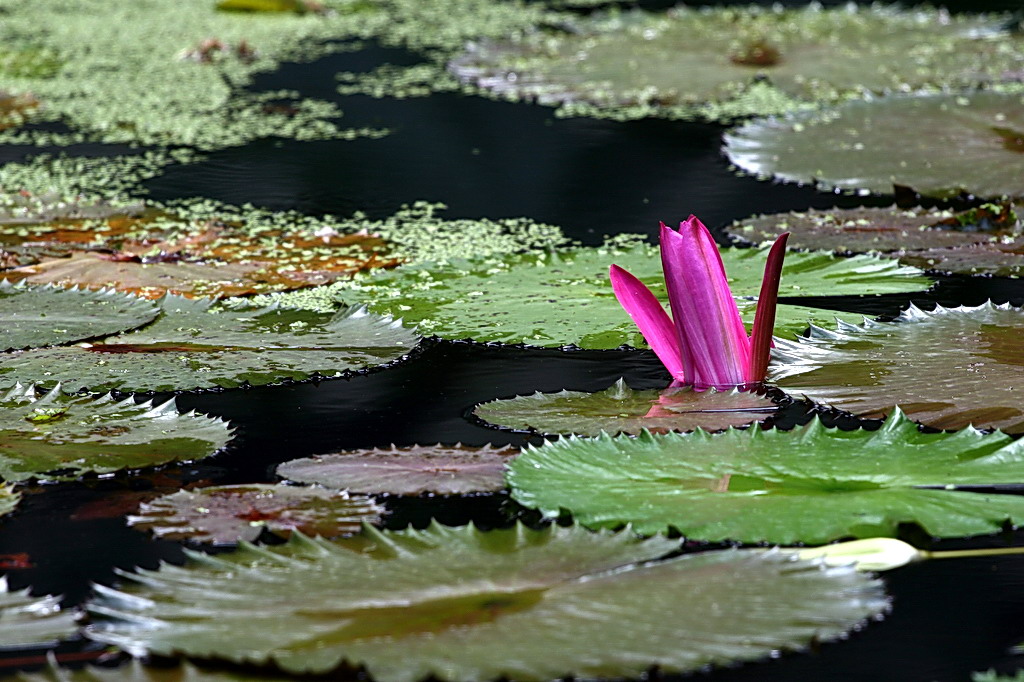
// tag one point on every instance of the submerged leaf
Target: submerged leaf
(27, 621)
(191, 346)
(55, 436)
(812, 484)
(973, 354)
(745, 61)
(458, 604)
(938, 144)
(564, 297)
(227, 514)
(49, 316)
(620, 409)
(439, 469)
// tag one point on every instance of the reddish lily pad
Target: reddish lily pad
(1003, 258)
(859, 230)
(620, 409)
(947, 368)
(938, 144)
(227, 514)
(414, 470)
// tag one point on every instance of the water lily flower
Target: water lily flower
(704, 343)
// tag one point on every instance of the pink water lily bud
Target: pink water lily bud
(704, 343)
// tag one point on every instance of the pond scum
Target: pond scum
(642, 529)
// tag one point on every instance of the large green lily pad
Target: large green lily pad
(859, 230)
(620, 409)
(938, 144)
(56, 436)
(48, 316)
(191, 346)
(227, 514)
(946, 368)
(27, 621)
(728, 62)
(460, 604)
(812, 484)
(412, 470)
(563, 297)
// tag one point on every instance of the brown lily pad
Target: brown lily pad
(228, 514)
(216, 261)
(437, 469)
(859, 230)
(946, 368)
(620, 409)
(1002, 258)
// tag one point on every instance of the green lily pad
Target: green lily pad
(938, 144)
(859, 230)
(563, 297)
(27, 621)
(758, 485)
(48, 316)
(747, 61)
(55, 436)
(946, 368)
(227, 514)
(191, 346)
(460, 604)
(135, 671)
(620, 409)
(414, 470)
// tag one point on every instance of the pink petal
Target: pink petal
(650, 317)
(764, 318)
(706, 316)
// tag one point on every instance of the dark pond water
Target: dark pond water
(496, 159)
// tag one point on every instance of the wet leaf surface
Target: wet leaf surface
(189, 346)
(619, 409)
(748, 61)
(227, 514)
(413, 470)
(461, 604)
(55, 436)
(39, 316)
(759, 485)
(938, 144)
(564, 297)
(947, 368)
(28, 621)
